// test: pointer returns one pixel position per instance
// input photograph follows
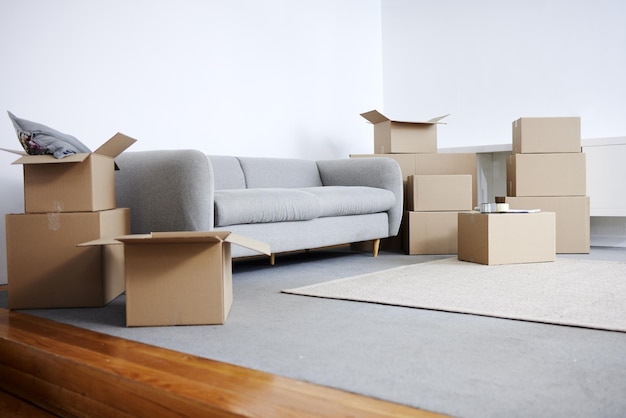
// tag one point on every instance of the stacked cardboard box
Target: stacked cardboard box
(433, 203)
(67, 201)
(547, 171)
(433, 183)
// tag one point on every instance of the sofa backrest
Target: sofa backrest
(227, 172)
(265, 172)
(231, 173)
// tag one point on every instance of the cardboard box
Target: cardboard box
(429, 232)
(442, 163)
(452, 163)
(179, 278)
(562, 174)
(45, 268)
(546, 135)
(392, 136)
(439, 192)
(572, 219)
(77, 183)
(507, 238)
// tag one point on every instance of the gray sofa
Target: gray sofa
(292, 204)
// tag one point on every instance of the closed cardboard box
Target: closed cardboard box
(546, 135)
(507, 238)
(439, 192)
(178, 278)
(441, 163)
(429, 232)
(562, 174)
(76, 183)
(403, 137)
(572, 219)
(45, 267)
(449, 163)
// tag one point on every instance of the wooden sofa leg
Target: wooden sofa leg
(272, 259)
(376, 247)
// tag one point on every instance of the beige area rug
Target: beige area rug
(575, 292)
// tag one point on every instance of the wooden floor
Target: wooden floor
(53, 369)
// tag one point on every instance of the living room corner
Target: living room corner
(424, 202)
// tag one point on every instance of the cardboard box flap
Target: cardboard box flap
(100, 241)
(112, 148)
(183, 237)
(250, 243)
(50, 159)
(436, 119)
(115, 146)
(375, 117)
(13, 151)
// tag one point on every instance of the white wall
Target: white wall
(489, 62)
(277, 78)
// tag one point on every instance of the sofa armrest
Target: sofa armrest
(381, 172)
(166, 190)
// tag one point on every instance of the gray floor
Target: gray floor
(462, 365)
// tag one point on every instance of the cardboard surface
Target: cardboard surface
(439, 192)
(444, 163)
(572, 219)
(392, 136)
(77, 183)
(430, 232)
(177, 283)
(47, 270)
(178, 278)
(507, 238)
(560, 174)
(546, 135)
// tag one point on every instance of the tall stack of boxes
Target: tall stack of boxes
(547, 171)
(66, 202)
(437, 185)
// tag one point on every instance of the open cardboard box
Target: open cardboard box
(179, 278)
(392, 136)
(80, 182)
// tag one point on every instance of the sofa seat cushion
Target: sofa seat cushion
(248, 206)
(352, 200)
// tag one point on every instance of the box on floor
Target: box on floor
(572, 219)
(392, 136)
(46, 269)
(76, 183)
(507, 238)
(178, 278)
(430, 232)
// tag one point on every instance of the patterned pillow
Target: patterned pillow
(37, 139)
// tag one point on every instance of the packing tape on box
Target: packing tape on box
(493, 207)
(502, 207)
